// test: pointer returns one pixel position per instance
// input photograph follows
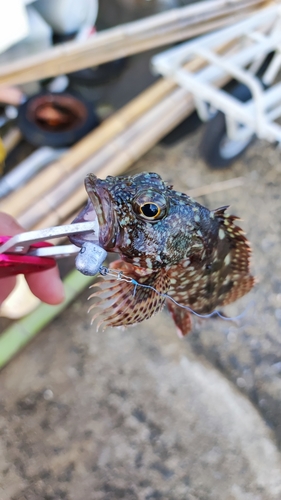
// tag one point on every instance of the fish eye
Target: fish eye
(150, 205)
(150, 210)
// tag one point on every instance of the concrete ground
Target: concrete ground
(140, 414)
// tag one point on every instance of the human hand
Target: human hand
(46, 285)
(11, 95)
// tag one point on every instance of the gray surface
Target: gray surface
(128, 415)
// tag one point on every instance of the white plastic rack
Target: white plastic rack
(254, 39)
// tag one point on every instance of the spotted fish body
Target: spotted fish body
(169, 243)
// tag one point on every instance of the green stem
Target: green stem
(21, 332)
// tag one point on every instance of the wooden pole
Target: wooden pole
(117, 155)
(77, 154)
(123, 40)
(53, 185)
(114, 158)
(18, 202)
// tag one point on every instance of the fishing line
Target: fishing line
(105, 271)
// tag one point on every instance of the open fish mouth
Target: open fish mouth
(99, 209)
(102, 204)
(86, 215)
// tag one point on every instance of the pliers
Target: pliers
(29, 252)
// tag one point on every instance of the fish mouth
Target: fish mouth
(86, 215)
(100, 210)
(101, 201)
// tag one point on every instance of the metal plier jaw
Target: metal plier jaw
(29, 252)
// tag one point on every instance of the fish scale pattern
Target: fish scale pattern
(171, 246)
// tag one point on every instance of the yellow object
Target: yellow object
(3, 155)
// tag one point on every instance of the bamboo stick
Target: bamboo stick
(159, 39)
(19, 201)
(50, 176)
(120, 41)
(166, 39)
(215, 187)
(64, 210)
(11, 139)
(118, 155)
(120, 152)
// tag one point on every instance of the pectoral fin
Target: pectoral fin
(123, 303)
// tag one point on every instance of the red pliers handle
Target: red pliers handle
(13, 263)
(28, 252)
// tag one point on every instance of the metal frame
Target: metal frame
(255, 38)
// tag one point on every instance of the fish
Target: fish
(172, 250)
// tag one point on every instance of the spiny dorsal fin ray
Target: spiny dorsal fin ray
(220, 211)
(224, 278)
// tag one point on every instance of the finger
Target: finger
(8, 225)
(6, 286)
(47, 286)
(11, 95)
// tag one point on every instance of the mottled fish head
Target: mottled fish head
(143, 219)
